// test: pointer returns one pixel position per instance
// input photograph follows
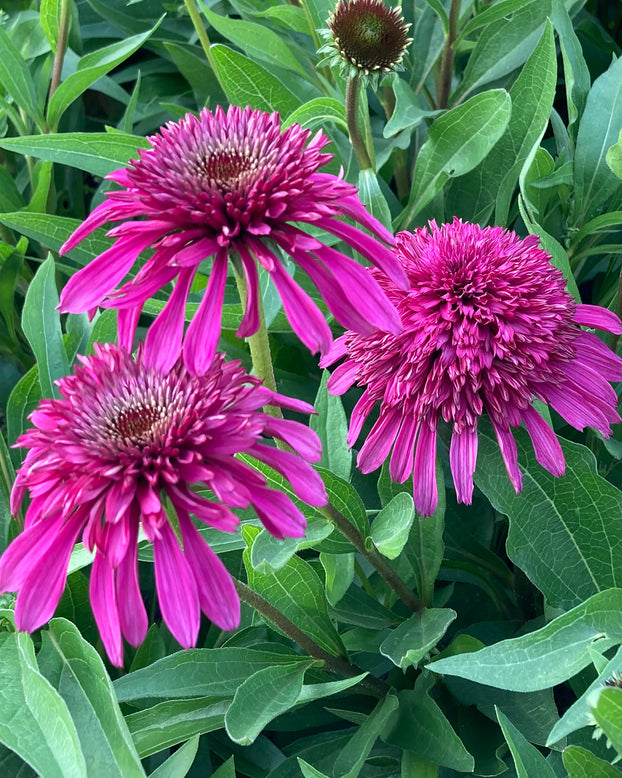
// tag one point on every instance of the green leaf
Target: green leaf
(599, 129)
(262, 697)
(339, 574)
(576, 73)
(504, 44)
(435, 739)
(331, 425)
(98, 153)
(10, 198)
(372, 197)
(614, 157)
(91, 67)
(408, 113)
(16, 79)
(247, 83)
(391, 527)
(79, 675)
(258, 41)
(549, 655)
(457, 142)
(7, 478)
(297, 592)
(607, 712)
(491, 186)
(317, 112)
(528, 760)
(409, 643)
(581, 763)
(270, 553)
(174, 721)
(34, 720)
(52, 231)
(351, 760)
(577, 519)
(179, 763)
(50, 11)
(198, 672)
(41, 325)
(309, 771)
(579, 714)
(22, 401)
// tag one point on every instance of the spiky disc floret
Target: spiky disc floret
(120, 449)
(226, 185)
(365, 37)
(487, 327)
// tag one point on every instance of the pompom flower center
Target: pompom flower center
(225, 169)
(137, 424)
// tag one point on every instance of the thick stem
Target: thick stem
(353, 88)
(61, 45)
(373, 557)
(447, 59)
(258, 343)
(204, 40)
(335, 664)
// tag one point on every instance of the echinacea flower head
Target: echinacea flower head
(365, 38)
(488, 328)
(121, 449)
(232, 185)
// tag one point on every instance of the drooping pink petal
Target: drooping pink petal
(88, 287)
(217, 595)
(425, 493)
(545, 443)
(600, 318)
(462, 459)
(402, 459)
(177, 591)
(278, 513)
(379, 441)
(509, 452)
(306, 483)
(103, 594)
(300, 437)
(204, 329)
(164, 336)
(250, 320)
(132, 614)
(42, 587)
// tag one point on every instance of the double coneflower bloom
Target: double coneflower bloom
(451, 323)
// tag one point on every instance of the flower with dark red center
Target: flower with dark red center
(231, 185)
(365, 37)
(120, 450)
(487, 327)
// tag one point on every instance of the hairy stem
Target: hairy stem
(61, 45)
(383, 569)
(447, 58)
(258, 343)
(353, 89)
(335, 664)
(204, 40)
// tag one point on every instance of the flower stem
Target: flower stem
(383, 569)
(204, 40)
(447, 58)
(335, 664)
(61, 44)
(353, 90)
(258, 343)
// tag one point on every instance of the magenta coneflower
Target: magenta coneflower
(232, 185)
(488, 327)
(118, 451)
